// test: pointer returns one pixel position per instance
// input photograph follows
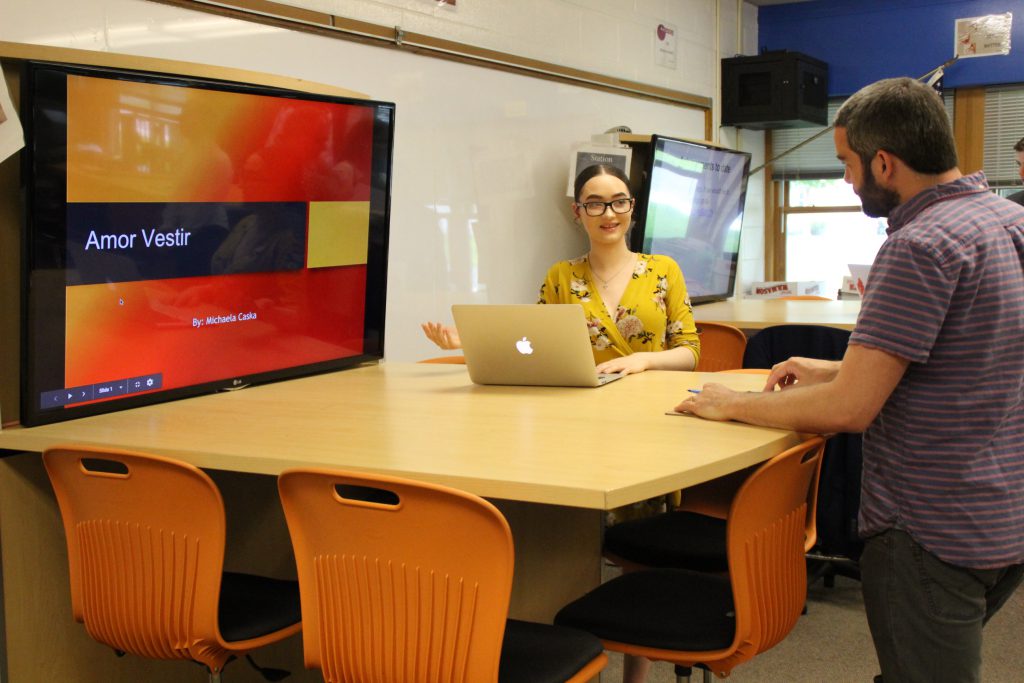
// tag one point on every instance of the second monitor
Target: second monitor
(690, 207)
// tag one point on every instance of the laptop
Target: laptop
(528, 344)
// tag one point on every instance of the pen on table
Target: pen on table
(694, 391)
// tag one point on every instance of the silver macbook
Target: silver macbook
(528, 344)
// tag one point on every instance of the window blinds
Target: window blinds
(1004, 126)
(818, 159)
(814, 160)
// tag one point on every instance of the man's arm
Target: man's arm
(848, 403)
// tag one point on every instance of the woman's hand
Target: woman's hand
(807, 371)
(626, 365)
(445, 336)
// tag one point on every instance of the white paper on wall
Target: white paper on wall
(983, 36)
(12, 138)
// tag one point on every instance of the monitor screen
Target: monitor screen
(185, 236)
(691, 208)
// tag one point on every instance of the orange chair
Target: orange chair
(145, 538)
(448, 360)
(705, 619)
(693, 535)
(403, 582)
(721, 347)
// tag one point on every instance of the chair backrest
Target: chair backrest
(721, 347)
(765, 542)
(145, 538)
(777, 343)
(447, 360)
(714, 498)
(400, 581)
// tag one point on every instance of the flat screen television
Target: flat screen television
(691, 208)
(185, 236)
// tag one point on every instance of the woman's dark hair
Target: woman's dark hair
(903, 117)
(592, 171)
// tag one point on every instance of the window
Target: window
(825, 230)
(818, 227)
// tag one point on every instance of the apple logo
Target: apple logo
(524, 346)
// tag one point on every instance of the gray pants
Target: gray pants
(926, 615)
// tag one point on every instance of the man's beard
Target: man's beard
(875, 200)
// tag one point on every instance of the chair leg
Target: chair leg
(215, 677)
(683, 673)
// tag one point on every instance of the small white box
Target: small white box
(774, 290)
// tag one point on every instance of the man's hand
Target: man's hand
(714, 402)
(805, 371)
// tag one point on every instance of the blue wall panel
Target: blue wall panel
(865, 40)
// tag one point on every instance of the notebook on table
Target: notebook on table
(527, 344)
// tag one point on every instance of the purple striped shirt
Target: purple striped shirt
(944, 459)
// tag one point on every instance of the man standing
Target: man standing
(933, 376)
(1018, 151)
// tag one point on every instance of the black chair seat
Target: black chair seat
(673, 540)
(540, 653)
(253, 606)
(656, 608)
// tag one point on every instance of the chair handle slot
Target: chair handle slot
(104, 466)
(371, 495)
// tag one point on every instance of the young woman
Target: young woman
(637, 308)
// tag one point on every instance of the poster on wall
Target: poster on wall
(588, 155)
(983, 36)
(11, 136)
(665, 47)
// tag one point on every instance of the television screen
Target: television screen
(691, 208)
(186, 236)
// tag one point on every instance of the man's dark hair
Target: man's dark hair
(903, 117)
(1019, 147)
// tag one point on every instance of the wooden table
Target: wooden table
(552, 459)
(756, 314)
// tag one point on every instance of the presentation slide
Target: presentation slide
(209, 235)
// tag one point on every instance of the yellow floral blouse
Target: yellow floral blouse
(654, 314)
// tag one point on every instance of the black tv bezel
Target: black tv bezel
(638, 235)
(31, 414)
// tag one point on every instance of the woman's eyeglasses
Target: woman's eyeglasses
(623, 205)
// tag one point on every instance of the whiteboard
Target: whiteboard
(478, 205)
